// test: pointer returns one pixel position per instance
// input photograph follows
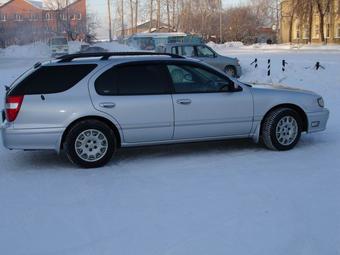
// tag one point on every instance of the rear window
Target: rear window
(148, 79)
(52, 79)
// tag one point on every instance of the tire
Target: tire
(90, 144)
(281, 130)
(231, 71)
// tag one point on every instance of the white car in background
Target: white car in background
(58, 46)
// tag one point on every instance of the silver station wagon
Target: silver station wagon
(89, 105)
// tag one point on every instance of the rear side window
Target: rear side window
(52, 79)
(146, 79)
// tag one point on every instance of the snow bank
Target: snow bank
(264, 46)
(115, 46)
(34, 50)
(208, 198)
(41, 50)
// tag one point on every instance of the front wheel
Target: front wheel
(282, 129)
(90, 144)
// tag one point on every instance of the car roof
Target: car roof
(119, 60)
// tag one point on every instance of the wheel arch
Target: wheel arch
(99, 118)
(294, 107)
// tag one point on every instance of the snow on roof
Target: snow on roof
(37, 4)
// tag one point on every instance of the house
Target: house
(295, 27)
(24, 21)
(145, 27)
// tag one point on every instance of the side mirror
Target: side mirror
(233, 87)
(236, 88)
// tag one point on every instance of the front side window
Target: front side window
(204, 52)
(148, 79)
(193, 79)
(52, 79)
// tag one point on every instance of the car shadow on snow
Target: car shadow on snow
(49, 160)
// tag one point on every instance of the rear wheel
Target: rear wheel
(90, 144)
(282, 129)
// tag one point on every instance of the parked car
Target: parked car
(229, 65)
(90, 105)
(58, 46)
(93, 49)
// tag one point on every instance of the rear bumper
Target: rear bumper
(317, 121)
(31, 139)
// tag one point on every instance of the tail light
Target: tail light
(13, 105)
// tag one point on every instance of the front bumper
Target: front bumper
(317, 121)
(31, 139)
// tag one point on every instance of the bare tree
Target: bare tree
(110, 19)
(151, 15)
(323, 7)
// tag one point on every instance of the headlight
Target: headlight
(321, 103)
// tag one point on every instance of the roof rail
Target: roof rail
(107, 55)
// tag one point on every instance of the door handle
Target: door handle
(184, 101)
(107, 105)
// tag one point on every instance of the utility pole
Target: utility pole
(122, 16)
(110, 21)
(221, 29)
(68, 27)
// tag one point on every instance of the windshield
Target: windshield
(58, 41)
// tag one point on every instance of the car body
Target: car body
(206, 54)
(41, 112)
(58, 46)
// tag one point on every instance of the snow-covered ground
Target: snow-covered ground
(231, 197)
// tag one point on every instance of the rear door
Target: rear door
(138, 97)
(205, 105)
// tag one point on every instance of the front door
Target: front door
(207, 106)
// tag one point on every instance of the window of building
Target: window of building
(73, 17)
(3, 17)
(305, 34)
(63, 16)
(79, 16)
(327, 30)
(18, 17)
(34, 17)
(337, 6)
(337, 32)
(48, 16)
(316, 32)
(297, 35)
